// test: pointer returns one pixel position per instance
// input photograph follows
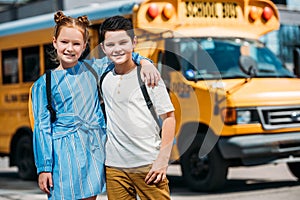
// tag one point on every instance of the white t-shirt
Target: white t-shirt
(132, 134)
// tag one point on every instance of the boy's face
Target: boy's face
(118, 46)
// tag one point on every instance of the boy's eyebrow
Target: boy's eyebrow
(113, 41)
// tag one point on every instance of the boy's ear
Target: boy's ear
(102, 47)
(134, 42)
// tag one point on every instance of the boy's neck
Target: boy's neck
(125, 67)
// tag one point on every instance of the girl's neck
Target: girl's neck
(63, 66)
(124, 68)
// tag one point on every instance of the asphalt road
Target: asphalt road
(266, 182)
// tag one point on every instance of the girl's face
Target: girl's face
(69, 45)
(118, 46)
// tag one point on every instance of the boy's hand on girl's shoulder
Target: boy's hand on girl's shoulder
(45, 182)
(156, 175)
(150, 74)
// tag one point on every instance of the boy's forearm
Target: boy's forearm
(168, 133)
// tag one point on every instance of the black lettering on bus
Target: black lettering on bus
(181, 89)
(188, 8)
(24, 97)
(13, 98)
(201, 9)
(229, 10)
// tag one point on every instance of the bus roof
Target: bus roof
(94, 12)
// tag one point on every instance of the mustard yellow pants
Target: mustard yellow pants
(126, 184)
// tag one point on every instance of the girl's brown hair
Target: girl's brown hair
(80, 22)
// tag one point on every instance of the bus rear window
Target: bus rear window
(10, 70)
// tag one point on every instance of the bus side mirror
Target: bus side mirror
(296, 57)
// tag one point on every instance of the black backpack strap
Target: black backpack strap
(108, 69)
(102, 78)
(147, 97)
(49, 96)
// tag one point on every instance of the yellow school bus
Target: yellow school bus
(236, 104)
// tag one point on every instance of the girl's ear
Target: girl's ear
(54, 42)
(84, 47)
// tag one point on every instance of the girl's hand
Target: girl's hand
(45, 182)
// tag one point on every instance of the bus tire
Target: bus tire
(25, 159)
(205, 174)
(295, 169)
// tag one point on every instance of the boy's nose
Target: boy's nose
(117, 48)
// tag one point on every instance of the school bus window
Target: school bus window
(50, 62)
(30, 61)
(10, 66)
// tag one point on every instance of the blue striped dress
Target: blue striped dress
(72, 147)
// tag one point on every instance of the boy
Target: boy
(136, 155)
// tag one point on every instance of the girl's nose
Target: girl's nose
(69, 47)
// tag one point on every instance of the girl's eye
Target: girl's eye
(109, 45)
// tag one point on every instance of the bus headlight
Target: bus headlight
(243, 117)
(233, 116)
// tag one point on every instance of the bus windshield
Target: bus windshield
(214, 58)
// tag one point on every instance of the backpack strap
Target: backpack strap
(107, 70)
(103, 76)
(49, 96)
(147, 97)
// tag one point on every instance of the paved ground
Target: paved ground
(269, 182)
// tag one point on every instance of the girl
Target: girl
(69, 153)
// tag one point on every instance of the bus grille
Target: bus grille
(279, 117)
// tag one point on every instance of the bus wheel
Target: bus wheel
(295, 169)
(25, 159)
(204, 174)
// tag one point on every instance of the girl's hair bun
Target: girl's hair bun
(59, 17)
(83, 19)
